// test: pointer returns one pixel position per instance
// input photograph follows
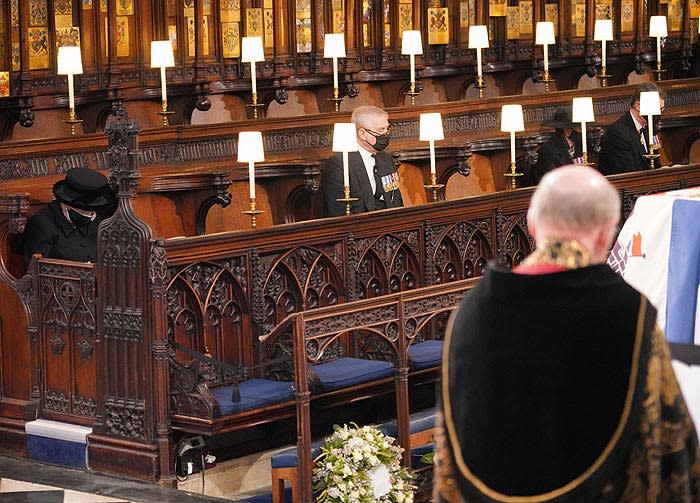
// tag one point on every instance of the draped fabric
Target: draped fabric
(559, 387)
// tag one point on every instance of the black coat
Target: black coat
(621, 150)
(554, 153)
(332, 185)
(49, 233)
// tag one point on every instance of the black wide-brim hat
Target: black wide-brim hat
(85, 189)
(561, 120)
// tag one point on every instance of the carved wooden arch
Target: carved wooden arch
(185, 316)
(303, 278)
(462, 251)
(227, 320)
(514, 241)
(388, 264)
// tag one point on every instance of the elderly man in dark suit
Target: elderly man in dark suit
(624, 144)
(374, 180)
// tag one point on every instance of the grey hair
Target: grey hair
(575, 199)
(363, 114)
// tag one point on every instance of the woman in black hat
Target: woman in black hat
(562, 147)
(66, 228)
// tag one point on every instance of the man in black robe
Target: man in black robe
(557, 383)
(66, 228)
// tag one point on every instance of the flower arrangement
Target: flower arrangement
(361, 465)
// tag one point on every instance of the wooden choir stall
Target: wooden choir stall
(190, 321)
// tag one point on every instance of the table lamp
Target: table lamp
(250, 150)
(411, 44)
(603, 33)
(479, 39)
(582, 111)
(512, 122)
(334, 47)
(430, 131)
(650, 105)
(658, 29)
(544, 36)
(345, 140)
(70, 63)
(251, 52)
(162, 57)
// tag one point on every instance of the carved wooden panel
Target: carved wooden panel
(67, 334)
(463, 250)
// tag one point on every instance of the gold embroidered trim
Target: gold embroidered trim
(570, 254)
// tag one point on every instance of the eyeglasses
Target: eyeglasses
(387, 130)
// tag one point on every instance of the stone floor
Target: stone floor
(25, 481)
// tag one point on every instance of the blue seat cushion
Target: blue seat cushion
(254, 393)
(423, 355)
(345, 372)
(418, 421)
(288, 457)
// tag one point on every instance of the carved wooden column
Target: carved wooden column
(283, 23)
(112, 67)
(200, 67)
(130, 435)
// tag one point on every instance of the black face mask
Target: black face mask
(381, 141)
(78, 219)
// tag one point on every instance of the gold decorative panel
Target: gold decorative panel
(38, 13)
(122, 34)
(694, 11)
(578, 18)
(231, 40)
(230, 11)
(38, 42)
(303, 35)
(627, 15)
(551, 13)
(338, 9)
(15, 56)
(125, 7)
(405, 17)
(4, 84)
(438, 22)
(87, 4)
(497, 8)
(254, 23)
(387, 23)
(366, 15)
(513, 22)
(103, 5)
(675, 15)
(14, 14)
(172, 36)
(603, 9)
(269, 26)
(68, 36)
(525, 17)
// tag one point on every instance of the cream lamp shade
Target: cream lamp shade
(657, 26)
(344, 137)
(649, 103)
(478, 37)
(603, 30)
(252, 50)
(162, 54)
(334, 45)
(250, 147)
(69, 61)
(411, 42)
(544, 33)
(582, 110)
(512, 118)
(431, 127)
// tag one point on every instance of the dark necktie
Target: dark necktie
(378, 191)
